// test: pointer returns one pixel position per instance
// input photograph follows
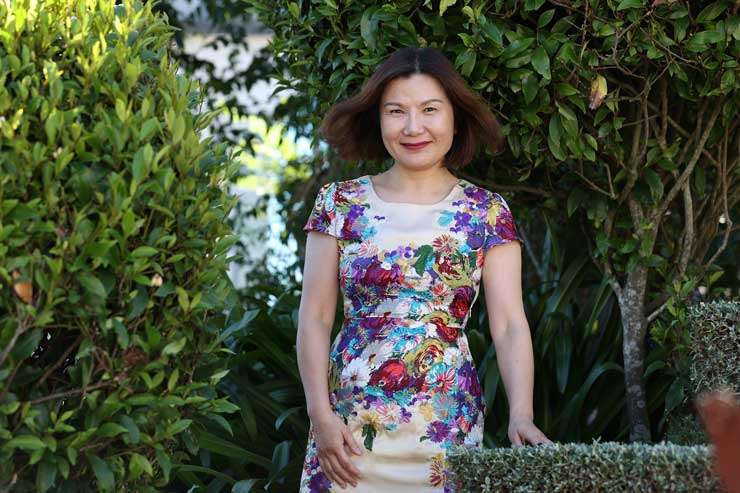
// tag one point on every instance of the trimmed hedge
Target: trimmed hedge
(113, 251)
(706, 358)
(598, 467)
(715, 346)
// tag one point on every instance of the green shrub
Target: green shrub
(599, 467)
(685, 429)
(715, 346)
(264, 445)
(702, 349)
(112, 250)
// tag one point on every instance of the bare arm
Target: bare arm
(316, 319)
(502, 282)
(334, 440)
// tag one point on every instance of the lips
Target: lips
(415, 146)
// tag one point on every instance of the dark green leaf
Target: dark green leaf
(26, 344)
(102, 471)
(368, 27)
(45, 476)
(712, 11)
(541, 62)
(92, 284)
(244, 486)
(630, 4)
(29, 443)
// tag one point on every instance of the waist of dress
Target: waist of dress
(424, 318)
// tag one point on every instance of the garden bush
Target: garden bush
(598, 467)
(715, 346)
(704, 355)
(113, 251)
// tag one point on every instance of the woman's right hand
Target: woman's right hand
(334, 443)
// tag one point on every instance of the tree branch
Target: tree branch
(683, 178)
(20, 329)
(726, 211)
(59, 361)
(70, 393)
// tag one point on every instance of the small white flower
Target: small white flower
(463, 345)
(356, 373)
(353, 248)
(453, 357)
(475, 435)
(389, 413)
(367, 249)
(402, 305)
(156, 281)
(431, 330)
(376, 353)
(426, 280)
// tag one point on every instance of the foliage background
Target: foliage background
(113, 251)
(322, 50)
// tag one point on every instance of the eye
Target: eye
(396, 109)
(430, 108)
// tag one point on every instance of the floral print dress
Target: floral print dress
(400, 371)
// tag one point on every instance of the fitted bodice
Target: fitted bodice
(416, 261)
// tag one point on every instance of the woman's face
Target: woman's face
(416, 110)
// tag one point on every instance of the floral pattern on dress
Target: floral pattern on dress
(401, 357)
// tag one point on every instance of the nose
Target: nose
(412, 126)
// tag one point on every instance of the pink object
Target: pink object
(720, 412)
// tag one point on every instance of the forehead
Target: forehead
(413, 89)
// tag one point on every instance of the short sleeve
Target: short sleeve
(500, 226)
(323, 217)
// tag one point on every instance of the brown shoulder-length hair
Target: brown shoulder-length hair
(352, 126)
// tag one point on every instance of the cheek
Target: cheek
(390, 127)
(443, 125)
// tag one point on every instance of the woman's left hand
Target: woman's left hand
(523, 430)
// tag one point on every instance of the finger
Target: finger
(348, 467)
(328, 470)
(330, 465)
(352, 442)
(528, 437)
(535, 436)
(541, 438)
(340, 472)
(349, 451)
(515, 439)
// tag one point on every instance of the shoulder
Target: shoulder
(340, 197)
(348, 191)
(481, 197)
(341, 188)
(351, 185)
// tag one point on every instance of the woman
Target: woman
(408, 249)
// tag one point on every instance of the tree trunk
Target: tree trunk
(634, 330)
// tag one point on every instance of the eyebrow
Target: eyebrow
(391, 103)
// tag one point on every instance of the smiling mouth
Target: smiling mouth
(415, 146)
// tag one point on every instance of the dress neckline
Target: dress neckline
(449, 195)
